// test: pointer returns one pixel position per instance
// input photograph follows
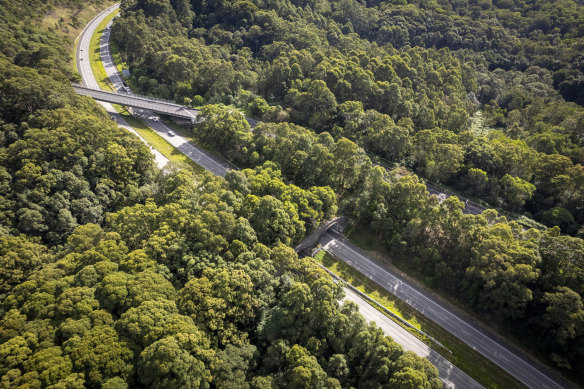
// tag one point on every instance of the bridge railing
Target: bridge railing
(133, 95)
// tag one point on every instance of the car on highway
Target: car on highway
(171, 133)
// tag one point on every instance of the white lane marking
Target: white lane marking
(514, 357)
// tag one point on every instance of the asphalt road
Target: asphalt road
(335, 244)
(451, 375)
(470, 207)
(198, 155)
(88, 79)
(195, 153)
(338, 246)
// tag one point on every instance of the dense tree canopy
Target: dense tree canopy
(114, 274)
(443, 87)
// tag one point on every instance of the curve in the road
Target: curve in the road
(198, 155)
(338, 246)
(531, 376)
(88, 79)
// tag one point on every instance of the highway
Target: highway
(334, 243)
(194, 152)
(470, 207)
(88, 79)
(517, 366)
(451, 375)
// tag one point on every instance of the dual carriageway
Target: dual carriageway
(523, 368)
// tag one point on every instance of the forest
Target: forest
(482, 96)
(115, 274)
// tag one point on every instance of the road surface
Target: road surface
(470, 207)
(335, 243)
(517, 366)
(195, 153)
(83, 65)
(451, 375)
(88, 79)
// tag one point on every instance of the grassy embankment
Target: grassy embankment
(68, 23)
(467, 359)
(371, 244)
(470, 361)
(158, 142)
(149, 135)
(191, 137)
(180, 130)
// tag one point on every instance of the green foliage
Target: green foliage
(65, 167)
(522, 278)
(238, 313)
(19, 257)
(114, 275)
(381, 74)
(221, 303)
(176, 361)
(99, 354)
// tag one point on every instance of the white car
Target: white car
(171, 133)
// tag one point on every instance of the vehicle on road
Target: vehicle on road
(171, 133)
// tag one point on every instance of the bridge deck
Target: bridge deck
(130, 100)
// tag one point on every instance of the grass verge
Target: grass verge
(188, 135)
(147, 133)
(95, 57)
(464, 357)
(117, 56)
(158, 142)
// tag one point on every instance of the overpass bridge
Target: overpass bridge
(310, 241)
(130, 100)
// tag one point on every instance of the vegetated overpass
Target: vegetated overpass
(130, 100)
